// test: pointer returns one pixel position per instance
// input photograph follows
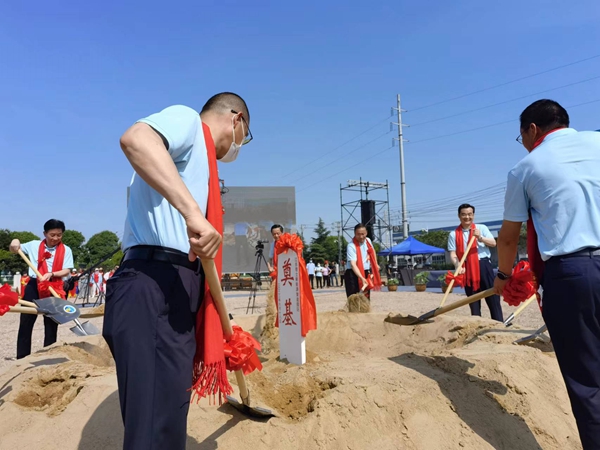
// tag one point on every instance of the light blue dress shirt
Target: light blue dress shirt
(32, 248)
(483, 251)
(559, 182)
(151, 220)
(351, 254)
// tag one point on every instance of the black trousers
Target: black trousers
(352, 285)
(312, 281)
(149, 325)
(571, 310)
(486, 273)
(27, 321)
(319, 282)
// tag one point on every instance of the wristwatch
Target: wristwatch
(502, 276)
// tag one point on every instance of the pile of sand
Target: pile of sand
(454, 383)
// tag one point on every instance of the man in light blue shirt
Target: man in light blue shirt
(153, 298)
(558, 185)
(484, 240)
(276, 232)
(310, 268)
(354, 277)
(56, 265)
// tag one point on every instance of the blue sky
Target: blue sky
(75, 75)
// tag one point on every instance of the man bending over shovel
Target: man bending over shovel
(54, 261)
(157, 323)
(362, 271)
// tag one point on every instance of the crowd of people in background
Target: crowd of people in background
(328, 274)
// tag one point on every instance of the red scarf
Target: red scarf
(210, 374)
(472, 274)
(533, 251)
(57, 265)
(374, 281)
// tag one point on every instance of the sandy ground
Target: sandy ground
(455, 383)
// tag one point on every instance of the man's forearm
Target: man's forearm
(507, 252)
(150, 159)
(489, 242)
(62, 273)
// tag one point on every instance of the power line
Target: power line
(328, 153)
(349, 153)
(506, 83)
(504, 102)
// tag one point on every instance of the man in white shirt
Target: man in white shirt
(310, 267)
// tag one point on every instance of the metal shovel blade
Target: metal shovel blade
(401, 319)
(254, 411)
(532, 337)
(84, 329)
(58, 309)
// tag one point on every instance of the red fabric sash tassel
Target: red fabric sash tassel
(44, 288)
(471, 265)
(57, 265)
(374, 280)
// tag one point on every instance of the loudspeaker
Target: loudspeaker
(367, 215)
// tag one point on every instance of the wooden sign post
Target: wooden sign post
(292, 345)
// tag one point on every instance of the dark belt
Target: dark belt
(163, 254)
(589, 252)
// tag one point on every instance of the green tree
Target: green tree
(305, 247)
(99, 245)
(74, 240)
(112, 262)
(317, 253)
(322, 233)
(523, 239)
(435, 238)
(9, 262)
(24, 236)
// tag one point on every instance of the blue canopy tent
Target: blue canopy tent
(411, 246)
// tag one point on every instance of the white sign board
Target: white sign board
(292, 345)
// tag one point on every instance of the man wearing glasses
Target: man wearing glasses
(153, 301)
(477, 268)
(556, 190)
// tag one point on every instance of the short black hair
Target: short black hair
(225, 102)
(277, 226)
(546, 114)
(53, 224)
(358, 226)
(465, 206)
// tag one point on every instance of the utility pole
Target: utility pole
(400, 140)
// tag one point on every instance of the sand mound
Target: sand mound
(454, 383)
(358, 303)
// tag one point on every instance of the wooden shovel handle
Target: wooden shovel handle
(456, 272)
(36, 271)
(457, 304)
(524, 305)
(214, 284)
(23, 310)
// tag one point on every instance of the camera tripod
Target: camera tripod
(256, 275)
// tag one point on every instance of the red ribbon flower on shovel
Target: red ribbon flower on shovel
(459, 280)
(239, 352)
(8, 298)
(521, 285)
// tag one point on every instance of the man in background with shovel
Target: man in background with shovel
(477, 268)
(54, 261)
(161, 344)
(556, 190)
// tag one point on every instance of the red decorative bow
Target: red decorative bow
(239, 352)
(8, 298)
(47, 255)
(459, 280)
(521, 285)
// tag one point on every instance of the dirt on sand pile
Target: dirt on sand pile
(455, 383)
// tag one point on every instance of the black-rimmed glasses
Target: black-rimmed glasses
(248, 137)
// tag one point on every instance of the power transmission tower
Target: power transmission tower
(401, 141)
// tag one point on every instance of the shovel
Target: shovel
(457, 271)
(58, 309)
(80, 329)
(412, 320)
(212, 277)
(525, 304)
(531, 337)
